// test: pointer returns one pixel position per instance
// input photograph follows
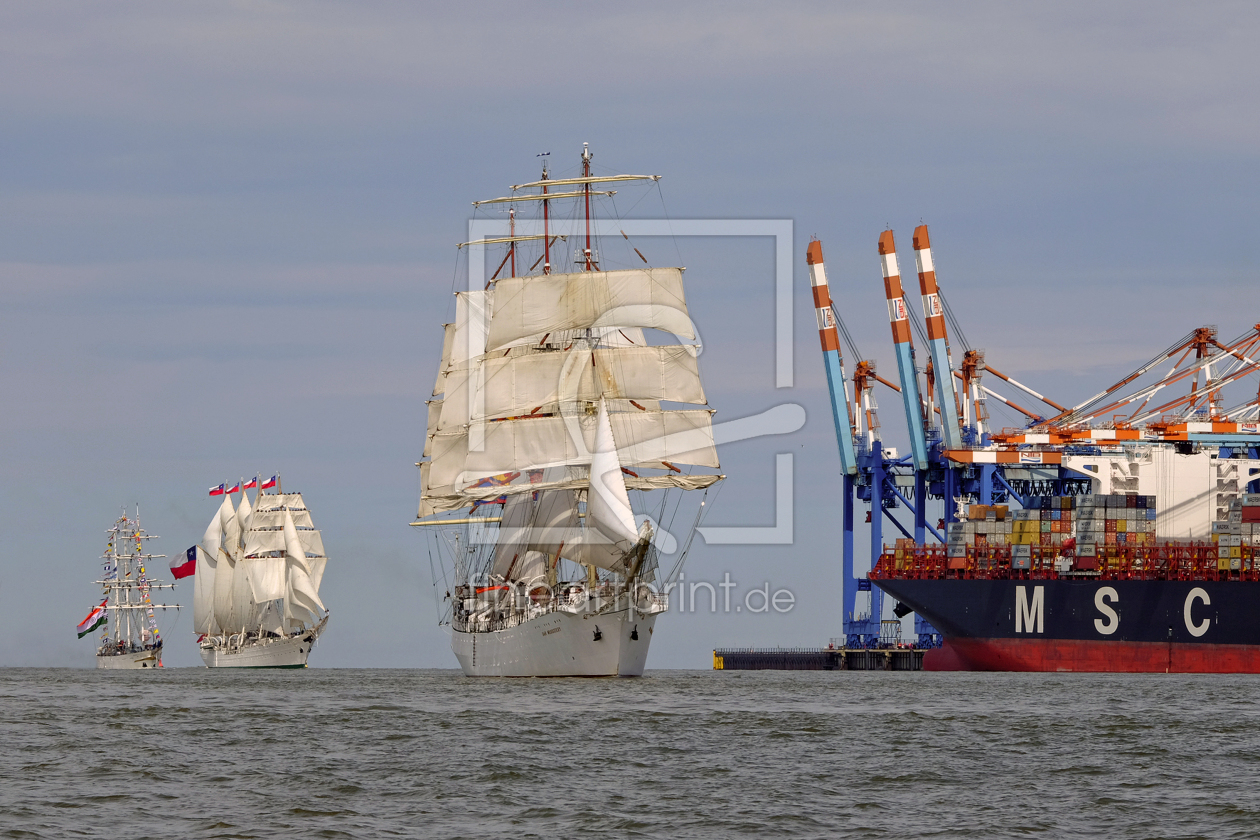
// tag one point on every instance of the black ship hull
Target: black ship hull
(1088, 624)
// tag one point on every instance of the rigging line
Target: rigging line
(844, 331)
(669, 222)
(953, 322)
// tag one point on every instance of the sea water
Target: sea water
(675, 754)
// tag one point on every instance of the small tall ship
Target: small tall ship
(550, 408)
(258, 570)
(130, 638)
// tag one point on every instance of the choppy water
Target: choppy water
(330, 753)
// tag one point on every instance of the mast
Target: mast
(586, 173)
(546, 218)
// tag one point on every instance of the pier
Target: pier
(818, 659)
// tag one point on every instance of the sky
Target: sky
(227, 242)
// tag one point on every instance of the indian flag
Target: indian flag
(94, 619)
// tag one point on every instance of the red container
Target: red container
(1251, 514)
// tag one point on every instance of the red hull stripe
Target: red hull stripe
(1098, 656)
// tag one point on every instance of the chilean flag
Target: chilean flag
(253, 482)
(235, 489)
(184, 565)
(269, 483)
(218, 491)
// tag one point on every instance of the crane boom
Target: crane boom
(938, 339)
(841, 411)
(899, 318)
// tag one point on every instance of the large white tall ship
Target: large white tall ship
(258, 571)
(557, 396)
(129, 639)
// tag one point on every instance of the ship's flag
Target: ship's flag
(218, 491)
(269, 483)
(184, 565)
(94, 619)
(253, 482)
(235, 489)
(497, 480)
(502, 500)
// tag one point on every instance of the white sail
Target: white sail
(244, 512)
(267, 570)
(500, 386)
(645, 438)
(528, 308)
(607, 503)
(534, 525)
(225, 570)
(448, 341)
(472, 323)
(317, 565)
(244, 608)
(203, 592)
(213, 537)
(431, 427)
(302, 596)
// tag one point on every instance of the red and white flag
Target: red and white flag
(253, 482)
(269, 483)
(235, 489)
(218, 491)
(184, 565)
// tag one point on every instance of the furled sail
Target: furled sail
(432, 503)
(645, 438)
(527, 308)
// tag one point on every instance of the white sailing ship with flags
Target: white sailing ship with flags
(258, 570)
(129, 638)
(551, 406)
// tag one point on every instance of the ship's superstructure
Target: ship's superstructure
(258, 571)
(129, 638)
(551, 406)
(1112, 535)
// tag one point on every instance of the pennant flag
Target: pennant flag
(184, 565)
(235, 489)
(502, 500)
(269, 483)
(218, 491)
(94, 619)
(253, 482)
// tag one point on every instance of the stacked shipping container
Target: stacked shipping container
(1241, 529)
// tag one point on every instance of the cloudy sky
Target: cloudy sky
(227, 241)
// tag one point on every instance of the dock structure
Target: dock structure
(818, 659)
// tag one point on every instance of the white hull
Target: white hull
(559, 644)
(291, 652)
(131, 661)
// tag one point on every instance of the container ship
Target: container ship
(1110, 595)
(1119, 534)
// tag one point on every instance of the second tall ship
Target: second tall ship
(258, 570)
